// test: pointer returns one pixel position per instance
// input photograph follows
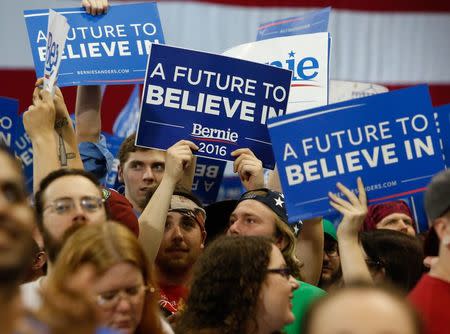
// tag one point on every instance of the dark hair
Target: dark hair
(127, 147)
(227, 281)
(400, 255)
(49, 179)
(386, 290)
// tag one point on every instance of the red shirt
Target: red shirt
(172, 297)
(431, 298)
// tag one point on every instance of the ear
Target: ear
(281, 242)
(120, 173)
(441, 226)
(39, 260)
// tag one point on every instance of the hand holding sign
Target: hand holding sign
(95, 7)
(249, 168)
(179, 157)
(39, 119)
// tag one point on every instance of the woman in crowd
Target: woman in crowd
(241, 285)
(123, 290)
(393, 256)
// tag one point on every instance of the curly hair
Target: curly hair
(227, 282)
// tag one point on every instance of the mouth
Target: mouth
(177, 250)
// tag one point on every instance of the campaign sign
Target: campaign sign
(103, 49)
(24, 151)
(207, 179)
(442, 115)
(8, 120)
(126, 121)
(113, 145)
(390, 140)
(219, 103)
(307, 56)
(309, 23)
(348, 90)
(56, 39)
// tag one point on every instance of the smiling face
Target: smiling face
(274, 309)
(141, 172)
(121, 290)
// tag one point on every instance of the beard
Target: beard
(54, 245)
(17, 256)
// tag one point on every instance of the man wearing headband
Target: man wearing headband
(179, 217)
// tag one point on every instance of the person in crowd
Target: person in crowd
(123, 289)
(38, 266)
(395, 215)
(241, 285)
(331, 267)
(362, 308)
(182, 219)
(67, 199)
(431, 296)
(182, 244)
(393, 256)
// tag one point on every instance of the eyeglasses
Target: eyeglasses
(285, 272)
(64, 205)
(110, 299)
(331, 249)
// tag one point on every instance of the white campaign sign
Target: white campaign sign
(349, 90)
(307, 56)
(56, 39)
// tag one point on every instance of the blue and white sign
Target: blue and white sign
(309, 23)
(8, 120)
(113, 145)
(389, 139)
(127, 120)
(219, 103)
(104, 49)
(307, 56)
(24, 151)
(442, 115)
(207, 179)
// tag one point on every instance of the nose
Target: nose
(177, 233)
(78, 214)
(124, 303)
(148, 174)
(403, 226)
(293, 282)
(233, 229)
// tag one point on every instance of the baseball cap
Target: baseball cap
(120, 210)
(329, 229)
(437, 196)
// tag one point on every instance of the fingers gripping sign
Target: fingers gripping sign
(249, 168)
(40, 116)
(178, 159)
(95, 7)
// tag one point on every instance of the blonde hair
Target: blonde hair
(288, 251)
(105, 245)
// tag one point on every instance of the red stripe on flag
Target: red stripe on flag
(375, 6)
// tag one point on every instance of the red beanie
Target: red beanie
(120, 210)
(377, 212)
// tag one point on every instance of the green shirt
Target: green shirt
(303, 297)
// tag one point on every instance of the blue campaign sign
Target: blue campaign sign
(24, 151)
(308, 23)
(113, 144)
(8, 120)
(104, 49)
(218, 102)
(127, 120)
(390, 140)
(442, 115)
(207, 179)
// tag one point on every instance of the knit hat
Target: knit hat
(120, 210)
(377, 212)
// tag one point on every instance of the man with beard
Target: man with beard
(67, 199)
(331, 267)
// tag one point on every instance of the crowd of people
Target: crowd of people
(77, 257)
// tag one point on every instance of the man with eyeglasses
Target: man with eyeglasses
(67, 200)
(331, 267)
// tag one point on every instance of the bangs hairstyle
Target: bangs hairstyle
(103, 246)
